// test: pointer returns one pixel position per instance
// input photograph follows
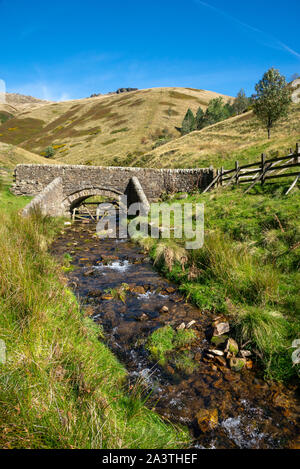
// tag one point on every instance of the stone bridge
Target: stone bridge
(57, 189)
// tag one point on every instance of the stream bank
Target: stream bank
(222, 408)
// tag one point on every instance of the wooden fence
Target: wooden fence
(260, 172)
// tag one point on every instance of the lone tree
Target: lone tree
(272, 98)
(188, 123)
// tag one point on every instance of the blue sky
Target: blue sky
(71, 49)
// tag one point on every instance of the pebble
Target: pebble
(245, 353)
(190, 324)
(221, 328)
(181, 327)
(217, 352)
(143, 317)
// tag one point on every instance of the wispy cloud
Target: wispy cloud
(260, 36)
(43, 90)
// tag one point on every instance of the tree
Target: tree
(188, 123)
(228, 110)
(215, 111)
(272, 99)
(199, 121)
(49, 152)
(240, 103)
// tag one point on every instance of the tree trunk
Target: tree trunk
(269, 133)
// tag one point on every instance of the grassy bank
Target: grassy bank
(247, 269)
(60, 386)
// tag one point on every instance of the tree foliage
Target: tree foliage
(49, 152)
(272, 98)
(216, 111)
(200, 118)
(241, 103)
(188, 123)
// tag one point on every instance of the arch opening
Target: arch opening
(89, 198)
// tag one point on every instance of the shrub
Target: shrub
(49, 152)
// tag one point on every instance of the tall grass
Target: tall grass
(60, 386)
(248, 268)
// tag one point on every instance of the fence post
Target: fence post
(297, 154)
(221, 176)
(263, 159)
(237, 172)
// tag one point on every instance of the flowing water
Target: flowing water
(250, 412)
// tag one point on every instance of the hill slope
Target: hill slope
(238, 138)
(11, 155)
(22, 102)
(109, 129)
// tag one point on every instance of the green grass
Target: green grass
(248, 269)
(5, 116)
(163, 342)
(124, 129)
(67, 263)
(60, 387)
(9, 202)
(119, 293)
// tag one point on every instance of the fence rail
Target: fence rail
(260, 171)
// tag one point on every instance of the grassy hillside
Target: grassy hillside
(140, 129)
(21, 102)
(248, 269)
(11, 155)
(110, 129)
(60, 386)
(238, 138)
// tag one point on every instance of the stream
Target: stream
(246, 411)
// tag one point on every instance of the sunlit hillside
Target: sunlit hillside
(11, 155)
(109, 129)
(238, 138)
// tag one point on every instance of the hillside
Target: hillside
(109, 129)
(16, 103)
(21, 101)
(11, 155)
(238, 138)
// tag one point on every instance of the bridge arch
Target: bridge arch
(76, 198)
